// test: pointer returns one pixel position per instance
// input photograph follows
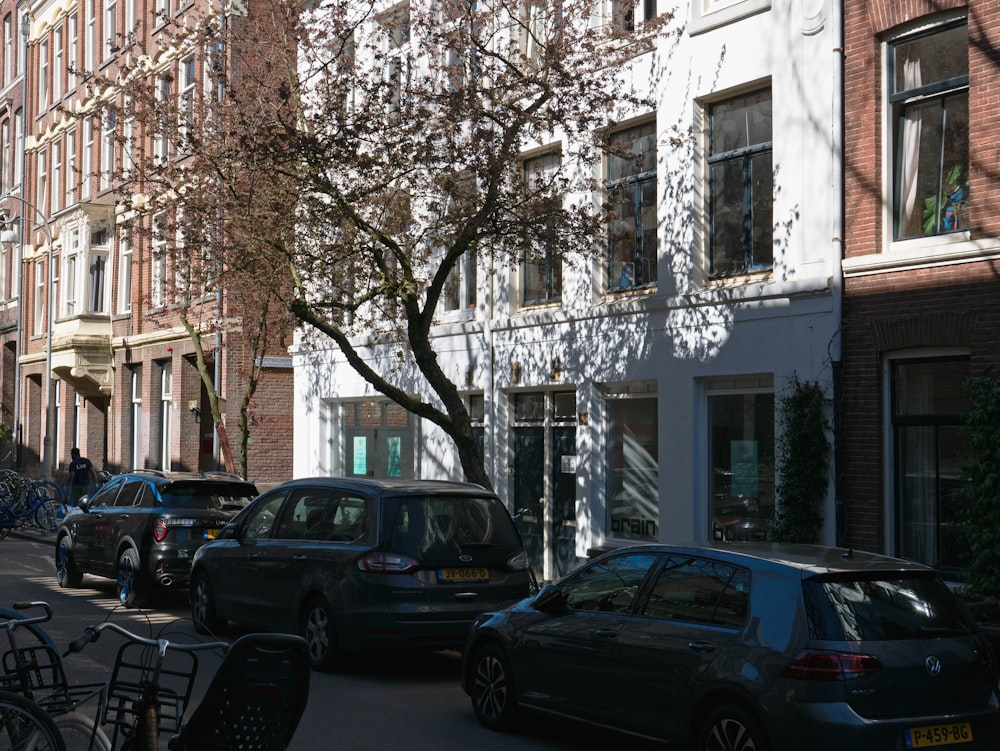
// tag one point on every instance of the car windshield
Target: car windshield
(207, 495)
(881, 607)
(428, 527)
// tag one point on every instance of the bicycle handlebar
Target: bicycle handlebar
(93, 633)
(12, 623)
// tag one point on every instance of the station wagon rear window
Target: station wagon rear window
(206, 495)
(880, 607)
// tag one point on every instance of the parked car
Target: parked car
(356, 564)
(740, 646)
(142, 529)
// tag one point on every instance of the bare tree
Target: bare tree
(363, 173)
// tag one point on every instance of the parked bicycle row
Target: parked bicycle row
(26, 502)
(258, 692)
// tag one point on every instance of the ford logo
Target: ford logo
(933, 665)
(465, 558)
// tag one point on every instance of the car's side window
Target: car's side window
(700, 591)
(609, 585)
(105, 496)
(259, 523)
(327, 515)
(130, 494)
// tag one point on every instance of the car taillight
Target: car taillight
(386, 563)
(159, 530)
(518, 562)
(811, 665)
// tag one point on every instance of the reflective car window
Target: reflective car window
(259, 521)
(130, 493)
(700, 591)
(874, 608)
(609, 585)
(207, 495)
(438, 528)
(326, 515)
(106, 495)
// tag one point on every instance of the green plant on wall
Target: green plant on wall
(803, 469)
(981, 474)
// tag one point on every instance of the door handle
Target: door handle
(300, 557)
(606, 633)
(701, 647)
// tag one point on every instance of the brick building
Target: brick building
(94, 353)
(921, 291)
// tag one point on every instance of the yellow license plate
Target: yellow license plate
(211, 533)
(470, 574)
(928, 736)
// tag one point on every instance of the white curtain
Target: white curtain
(910, 151)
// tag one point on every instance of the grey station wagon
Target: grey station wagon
(744, 647)
(355, 564)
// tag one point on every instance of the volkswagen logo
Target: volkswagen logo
(933, 665)
(468, 558)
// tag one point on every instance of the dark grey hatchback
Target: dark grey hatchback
(744, 647)
(355, 564)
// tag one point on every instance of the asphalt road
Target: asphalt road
(412, 702)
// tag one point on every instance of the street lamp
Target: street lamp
(9, 237)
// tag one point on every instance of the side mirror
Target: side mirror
(84, 503)
(227, 533)
(550, 599)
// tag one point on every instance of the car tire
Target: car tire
(319, 631)
(67, 574)
(129, 585)
(491, 688)
(731, 727)
(203, 607)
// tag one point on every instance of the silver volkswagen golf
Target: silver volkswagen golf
(744, 647)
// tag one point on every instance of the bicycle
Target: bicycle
(24, 726)
(255, 699)
(35, 671)
(25, 502)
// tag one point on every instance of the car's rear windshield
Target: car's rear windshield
(882, 607)
(207, 495)
(431, 527)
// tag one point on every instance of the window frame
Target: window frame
(635, 182)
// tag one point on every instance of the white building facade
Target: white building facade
(638, 397)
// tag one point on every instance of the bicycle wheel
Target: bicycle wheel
(81, 733)
(48, 515)
(25, 726)
(48, 489)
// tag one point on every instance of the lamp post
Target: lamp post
(10, 237)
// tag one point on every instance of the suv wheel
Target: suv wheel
(203, 607)
(129, 576)
(492, 688)
(731, 727)
(67, 574)
(321, 634)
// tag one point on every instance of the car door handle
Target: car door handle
(606, 633)
(701, 647)
(300, 557)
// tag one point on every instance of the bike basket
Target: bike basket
(131, 679)
(27, 669)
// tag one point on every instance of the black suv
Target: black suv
(143, 528)
(355, 565)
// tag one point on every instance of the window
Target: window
(111, 42)
(108, 124)
(128, 138)
(137, 420)
(542, 267)
(159, 271)
(90, 36)
(131, 14)
(40, 298)
(57, 177)
(395, 36)
(929, 96)
(627, 14)
(166, 400)
(125, 272)
(537, 27)
(609, 586)
(633, 467)
(161, 143)
(88, 157)
(58, 63)
(164, 10)
(97, 262)
(19, 144)
(9, 50)
(697, 590)
(42, 179)
(6, 156)
(741, 192)
(72, 52)
(185, 104)
(741, 457)
(43, 74)
(70, 166)
(928, 401)
(460, 288)
(72, 259)
(631, 191)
